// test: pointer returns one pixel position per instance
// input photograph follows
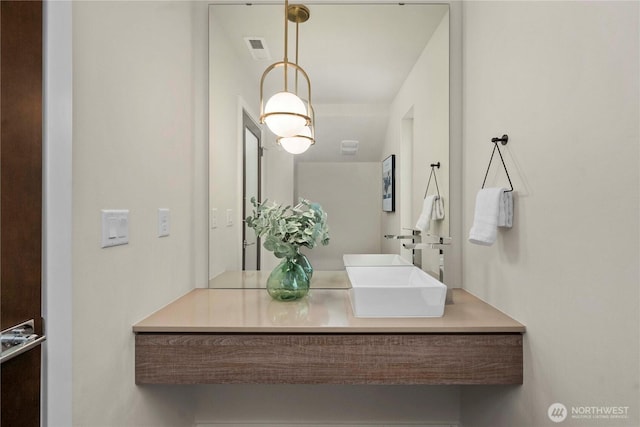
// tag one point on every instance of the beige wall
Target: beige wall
(561, 78)
(139, 143)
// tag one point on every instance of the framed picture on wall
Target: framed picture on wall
(389, 184)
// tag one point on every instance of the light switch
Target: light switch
(115, 227)
(164, 222)
(123, 227)
(229, 217)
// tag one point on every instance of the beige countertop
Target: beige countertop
(237, 302)
(258, 280)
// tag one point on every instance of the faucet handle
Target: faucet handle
(399, 237)
(428, 245)
(437, 240)
(414, 230)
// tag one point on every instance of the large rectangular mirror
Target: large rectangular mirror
(379, 75)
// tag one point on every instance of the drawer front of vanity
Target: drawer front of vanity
(328, 358)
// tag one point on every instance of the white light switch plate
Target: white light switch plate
(164, 222)
(229, 217)
(115, 227)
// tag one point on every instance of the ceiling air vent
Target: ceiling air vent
(349, 147)
(258, 48)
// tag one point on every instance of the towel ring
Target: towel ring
(435, 178)
(503, 140)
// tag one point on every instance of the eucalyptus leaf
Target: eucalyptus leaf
(287, 228)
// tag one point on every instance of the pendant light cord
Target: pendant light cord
(297, 24)
(286, 38)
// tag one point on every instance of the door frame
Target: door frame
(249, 123)
(57, 293)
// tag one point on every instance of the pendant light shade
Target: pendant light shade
(299, 143)
(285, 114)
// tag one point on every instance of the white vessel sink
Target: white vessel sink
(364, 260)
(399, 291)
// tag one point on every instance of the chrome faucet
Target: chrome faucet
(416, 246)
(416, 238)
(435, 242)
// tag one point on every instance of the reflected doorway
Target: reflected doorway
(251, 187)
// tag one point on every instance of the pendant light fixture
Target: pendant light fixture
(300, 142)
(285, 113)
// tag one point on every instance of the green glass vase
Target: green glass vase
(288, 281)
(305, 264)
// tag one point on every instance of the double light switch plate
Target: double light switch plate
(115, 227)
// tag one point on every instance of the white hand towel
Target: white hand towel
(438, 208)
(424, 221)
(505, 216)
(485, 220)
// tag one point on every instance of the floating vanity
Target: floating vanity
(234, 332)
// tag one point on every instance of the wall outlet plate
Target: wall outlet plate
(164, 222)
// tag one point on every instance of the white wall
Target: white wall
(351, 194)
(139, 126)
(561, 78)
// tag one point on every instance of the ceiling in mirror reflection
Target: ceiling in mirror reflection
(357, 57)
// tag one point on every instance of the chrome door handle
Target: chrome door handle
(18, 339)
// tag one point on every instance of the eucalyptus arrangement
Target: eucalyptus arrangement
(288, 227)
(285, 229)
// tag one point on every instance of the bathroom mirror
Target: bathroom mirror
(379, 76)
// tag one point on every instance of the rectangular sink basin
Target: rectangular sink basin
(364, 260)
(399, 291)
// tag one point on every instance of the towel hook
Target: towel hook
(435, 178)
(503, 140)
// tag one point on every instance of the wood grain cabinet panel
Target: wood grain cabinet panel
(192, 358)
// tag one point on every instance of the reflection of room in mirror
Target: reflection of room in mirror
(398, 75)
(251, 189)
